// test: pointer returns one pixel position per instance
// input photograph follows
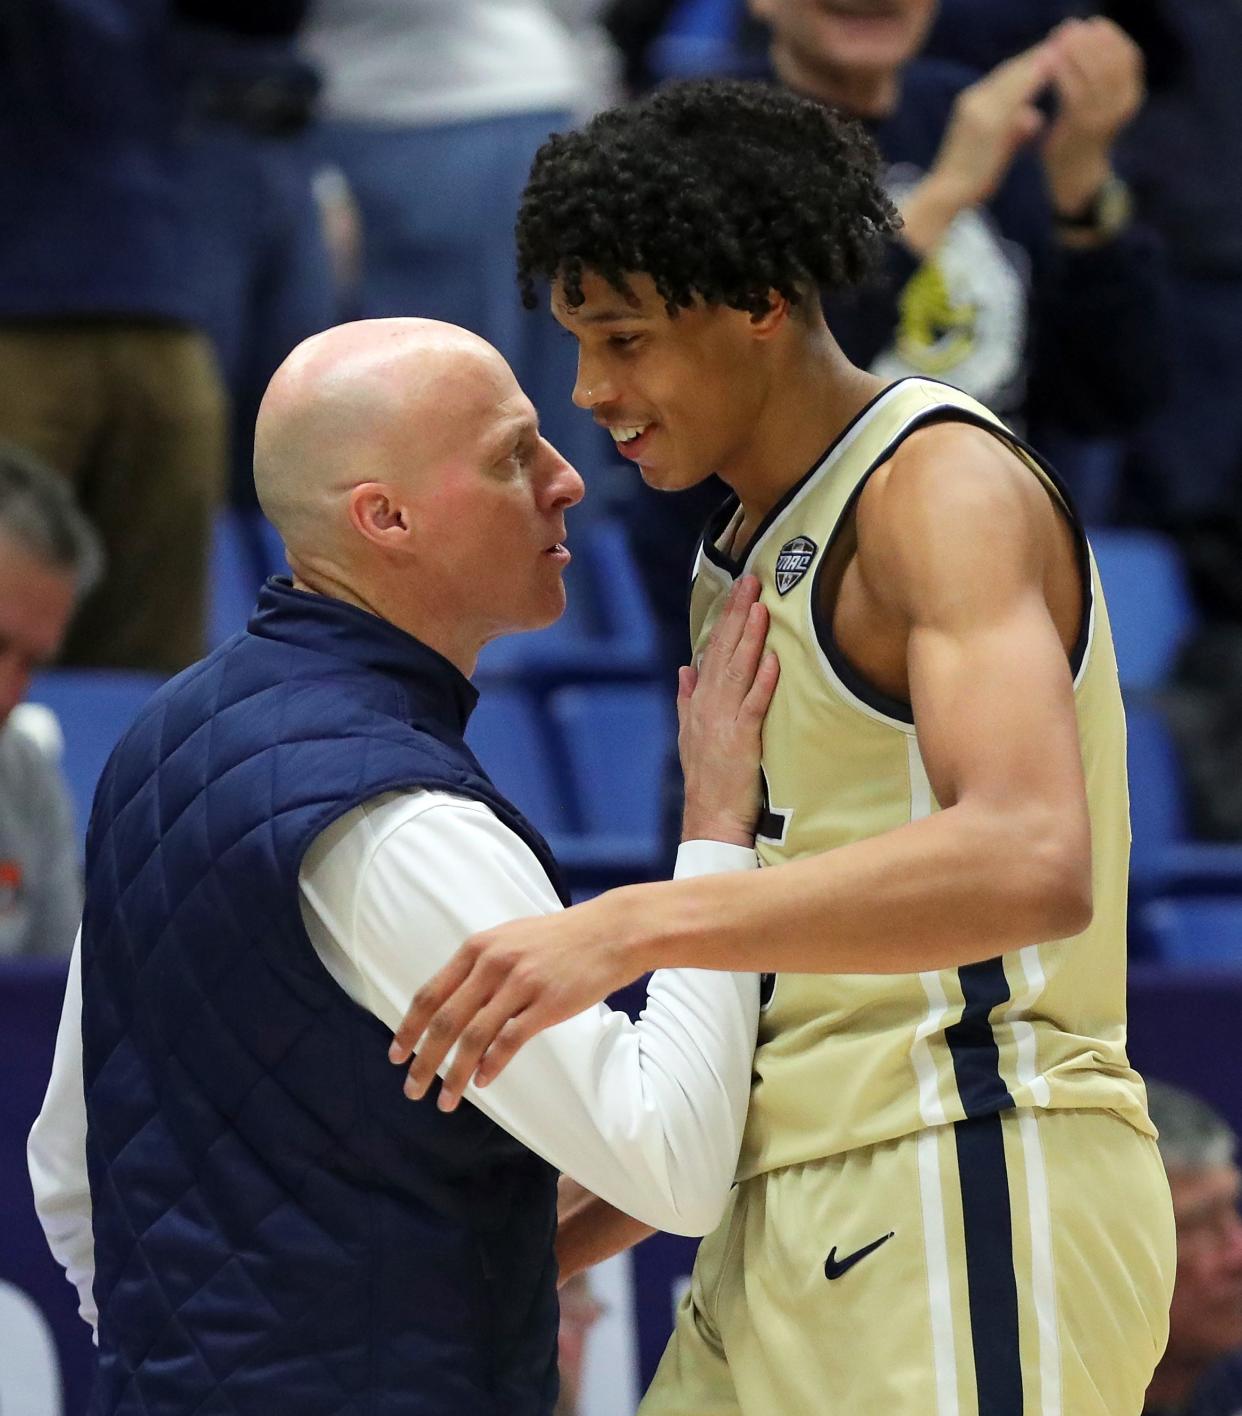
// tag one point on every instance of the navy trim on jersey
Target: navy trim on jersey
(858, 684)
(733, 566)
(972, 1044)
(987, 1226)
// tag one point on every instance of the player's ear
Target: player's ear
(770, 321)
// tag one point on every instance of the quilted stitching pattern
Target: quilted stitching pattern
(276, 1228)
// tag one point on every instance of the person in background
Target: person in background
(580, 1311)
(103, 374)
(1200, 1373)
(259, 267)
(433, 113)
(1019, 274)
(49, 558)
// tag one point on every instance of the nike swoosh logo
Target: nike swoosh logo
(834, 1267)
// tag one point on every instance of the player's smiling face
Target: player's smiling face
(679, 394)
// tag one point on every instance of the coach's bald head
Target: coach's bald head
(377, 444)
(365, 402)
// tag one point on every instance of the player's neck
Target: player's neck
(812, 400)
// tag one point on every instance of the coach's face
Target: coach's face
(1205, 1320)
(876, 37)
(36, 603)
(681, 395)
(490, 505)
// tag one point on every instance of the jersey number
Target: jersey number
(773, 821)
(773, 824)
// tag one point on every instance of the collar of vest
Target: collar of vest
(436, 689)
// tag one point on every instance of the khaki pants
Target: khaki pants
(134, 415)
(1018, 1265)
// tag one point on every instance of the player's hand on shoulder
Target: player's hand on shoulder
(721, 705)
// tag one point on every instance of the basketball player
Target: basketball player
(950, 1199)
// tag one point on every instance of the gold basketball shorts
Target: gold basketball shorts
(1019, 1264)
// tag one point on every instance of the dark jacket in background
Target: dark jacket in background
(93, 216)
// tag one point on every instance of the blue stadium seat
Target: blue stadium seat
(512, 740)
(616, 739)
(1149, 603)
(699, 40)
(233, 580)
(245, 550)
(586, 769)
(270, 548)
(607, 630)
(94, 707)
(1163, 858)
(1194, 930)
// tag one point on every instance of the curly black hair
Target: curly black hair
(715, 188)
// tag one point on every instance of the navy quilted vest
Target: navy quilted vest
(278, 1232)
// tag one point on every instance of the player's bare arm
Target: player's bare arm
(590, 1230)
(963, 558)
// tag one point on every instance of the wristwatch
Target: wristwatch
(1107, 214)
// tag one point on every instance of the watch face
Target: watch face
(1107, 213)
(1113, 207)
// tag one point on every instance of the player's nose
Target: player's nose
(592, 387)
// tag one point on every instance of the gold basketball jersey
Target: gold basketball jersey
(845, 1061)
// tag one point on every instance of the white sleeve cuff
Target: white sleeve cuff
(712, 858)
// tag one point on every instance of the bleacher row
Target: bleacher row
(573, 726)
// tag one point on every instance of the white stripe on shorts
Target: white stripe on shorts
(939, 1293)
(1043, 1280)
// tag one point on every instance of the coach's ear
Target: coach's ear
(380, 513)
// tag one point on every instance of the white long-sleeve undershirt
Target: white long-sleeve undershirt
(648, 1115)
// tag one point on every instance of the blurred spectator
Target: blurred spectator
(1019, 276)
(433, 112)
(599, 61)
(49, 556)
(259, 267)
(580, 1311)
(101, 373)
(1201, 1371)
